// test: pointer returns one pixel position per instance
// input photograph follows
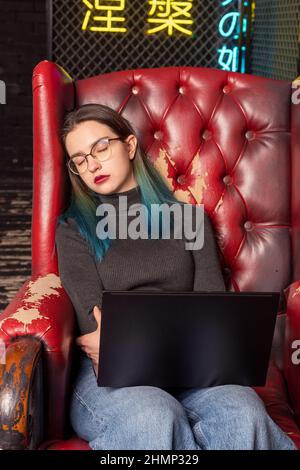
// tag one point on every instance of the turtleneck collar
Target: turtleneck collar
(133, 197)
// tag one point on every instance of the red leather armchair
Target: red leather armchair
(227, 140)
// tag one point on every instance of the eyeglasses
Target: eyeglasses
(101, 151)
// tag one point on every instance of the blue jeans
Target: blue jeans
(150, 418)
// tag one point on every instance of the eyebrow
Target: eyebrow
(80, 152)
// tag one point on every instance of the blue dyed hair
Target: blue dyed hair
(84, 201)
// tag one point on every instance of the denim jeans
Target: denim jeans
(150, 418)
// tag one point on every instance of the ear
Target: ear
(131, 145)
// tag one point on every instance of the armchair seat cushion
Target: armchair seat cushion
(74, 443)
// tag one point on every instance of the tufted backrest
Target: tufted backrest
(229, 141)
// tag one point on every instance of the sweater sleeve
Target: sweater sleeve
(208, 275)
(78, 274)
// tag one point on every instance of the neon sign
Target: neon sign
(164, 15)
(170, 15)
(229, 29)
(102, 16)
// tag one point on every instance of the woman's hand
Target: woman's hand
(90, 343)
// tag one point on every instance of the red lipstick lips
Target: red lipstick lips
(101, 178)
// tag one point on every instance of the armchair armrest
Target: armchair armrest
(42, 310)
(21, 395)
(292, 346)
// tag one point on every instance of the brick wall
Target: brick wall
(23, 41)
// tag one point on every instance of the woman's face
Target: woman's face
(118, 167)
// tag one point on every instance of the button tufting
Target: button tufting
(248, 225)
(181, 90)
(249, 135)
(207, 135)
(227, 271)
(180, 179)
(226, 89)
(158, 135)
(227, 180)
(134, 90)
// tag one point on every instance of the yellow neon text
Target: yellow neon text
(170, 15)
(105, 22)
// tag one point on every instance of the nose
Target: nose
(93, 164)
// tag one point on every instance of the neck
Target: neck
(133, 196)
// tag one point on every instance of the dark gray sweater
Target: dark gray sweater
(132, 264)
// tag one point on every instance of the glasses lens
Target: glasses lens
(101, 150)
(78, 165)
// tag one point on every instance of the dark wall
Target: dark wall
(22, 46)
(23, 40)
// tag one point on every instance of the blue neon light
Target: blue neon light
(229, 29)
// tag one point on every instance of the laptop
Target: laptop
(185, 339)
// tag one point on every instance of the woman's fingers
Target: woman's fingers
(81, 343)
(83, 339)
(97, 315)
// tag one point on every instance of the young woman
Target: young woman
(105, 162)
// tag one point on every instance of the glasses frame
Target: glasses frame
(107, 139)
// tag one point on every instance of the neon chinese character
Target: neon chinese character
(170, 15)
(228, 58)
(230, 23)
(226, 28)
(107, 8)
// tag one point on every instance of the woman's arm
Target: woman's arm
(78, 274)
(90, 343)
